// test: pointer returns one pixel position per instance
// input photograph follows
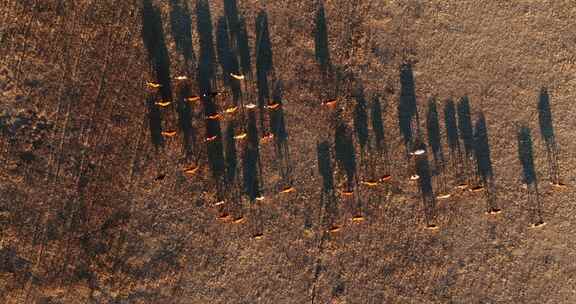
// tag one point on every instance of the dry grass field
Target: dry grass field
(95, 205)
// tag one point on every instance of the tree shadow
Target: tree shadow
(155, 122)
(407, 107)
(180, 24)
(155, 44)
(322, 48)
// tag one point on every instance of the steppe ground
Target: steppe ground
(85, 218)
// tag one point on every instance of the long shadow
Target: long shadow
(253, 142)
(465, 125)
(326, 170)
(263, 43)
(380, 136)
(361, 130)
(263, 63)
(322, 48)
(263, 97)
(206, 83)
(223, 48)
(466, 133)
(484, 162)
(230, 153)
(155, 44)
(277, 123)
(180, 24)
(435, 143)
(426, 189)
(545, 118)
(244, 48)
(185, 120)
(482, 149)
(206, 69)
(216, 158)
(547, 132)
(215, 147)
(451, 126)
(345, 153)
(407, 107)
(361, 118)
(227, 58)
(325, 166)
(231, 13)
(155, 123)
(280, 133)
(378, 124)
(434, 133)
(526, 156)
(251, 160)
(232, 169)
